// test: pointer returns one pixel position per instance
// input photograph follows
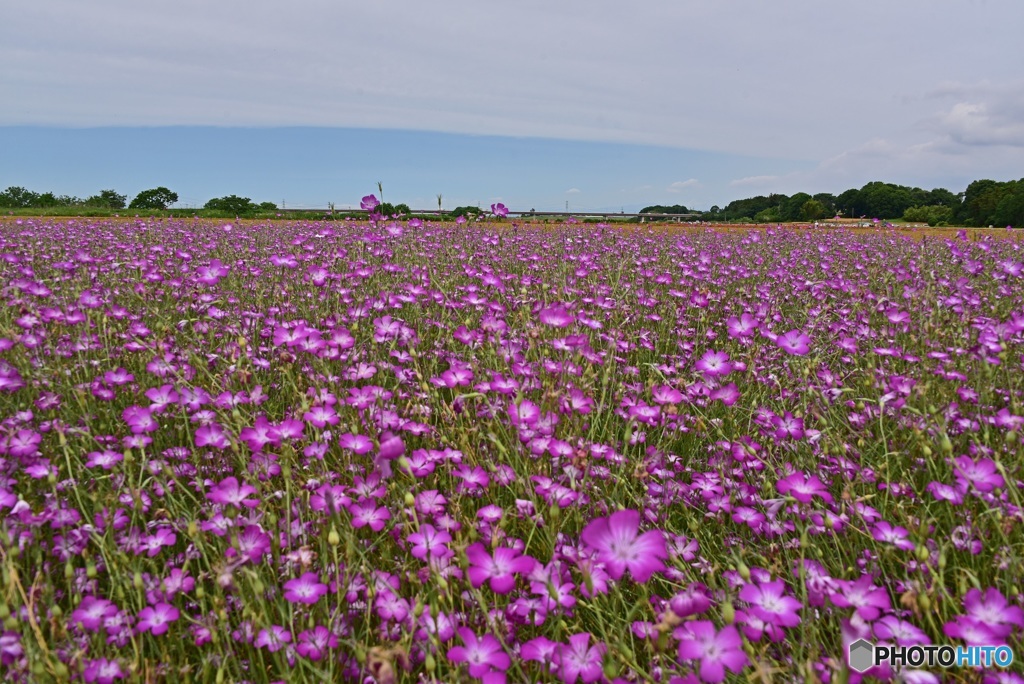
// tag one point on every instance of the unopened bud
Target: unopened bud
(333, 538)
(728, 613)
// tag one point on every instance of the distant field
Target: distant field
(340, 451)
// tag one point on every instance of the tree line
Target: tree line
(983, 203)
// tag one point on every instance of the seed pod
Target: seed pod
(728, 613)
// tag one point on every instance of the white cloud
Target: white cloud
(679, 186)
(754, 181)
(573, 191)
(414, 65)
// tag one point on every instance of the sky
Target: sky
(595, 105)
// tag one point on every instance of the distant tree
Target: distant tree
(828, 200)
(933, 215)
(17, 197)
(466, 211)
(270, 206)
(232, 204)
(663, 209)
(107, 198)
(155, 198)
(403, 209)
(812, 210)
(791, 207)
(981, 199)
(1010, 210)
(48, 199)
(769, 215)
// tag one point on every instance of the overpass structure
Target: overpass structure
(532, 213)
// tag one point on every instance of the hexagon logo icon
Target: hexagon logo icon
(862, 655)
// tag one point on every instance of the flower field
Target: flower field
(412, 451)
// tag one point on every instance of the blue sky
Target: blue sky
(309, 167)
(604, 104)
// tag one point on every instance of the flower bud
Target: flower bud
(728, 613)
(333, 538)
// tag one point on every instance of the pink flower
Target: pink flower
(717, 651)
(500, 569)
(862, 595)
(482, 654)
(619, 547)
(230, 493)
(794, 342)
(211, 435)
(769, 602)
(429, 542)
(556, 316)
(313, 643)
(579, 660)
(273, 639)
(499, 210)
(714, 363)
(103, 671)
(803, 487)
(155, 619)
(306, 589)
(369, 203)
(358, 444)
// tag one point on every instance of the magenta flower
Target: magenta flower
(358, 444)
(92, 612)
(105, 459)
(717, 651)
(714, 363)
(429, 542)
(156, 619)
(619, 546)
(803, 487)
(500, 569)
(230, 493)
(369, 203)
(329, 498)
(211, 435)
(499, 210)
(862, 595)
(794, 342)
(981, 474)
(744, 326)
(368, 513)
(579, 660)
(273, 639)
(306, 589)
(992, 610)
(727, 394)
(897, 536)
(769, 602)
(482, 654)
(314, 643)
(556, 316)
(103, 671)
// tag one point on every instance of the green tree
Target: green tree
(267, 206)
(812, 210)
(155, 198)
(107, 198)
(1010, 210)
(933, 215)
(791, 207)
(232, 204)
(17, 197)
